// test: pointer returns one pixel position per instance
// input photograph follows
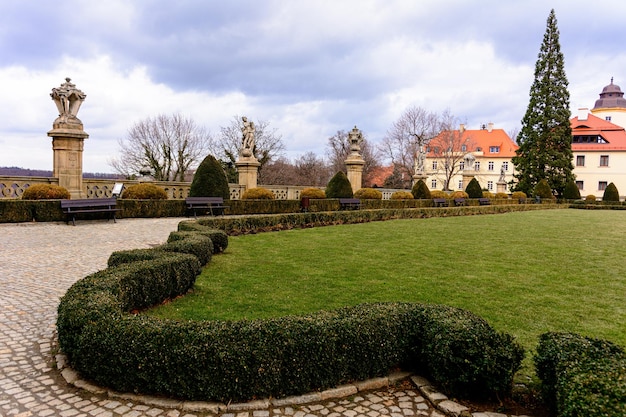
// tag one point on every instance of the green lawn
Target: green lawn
(526, 272)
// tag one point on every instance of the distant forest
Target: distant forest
(24, 172)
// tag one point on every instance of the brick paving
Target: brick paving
(40, 261)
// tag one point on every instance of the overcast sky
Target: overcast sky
(308, 67)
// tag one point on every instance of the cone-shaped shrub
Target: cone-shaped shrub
(210, 180)
(339, 186)
(543, 190)
(610, 193)
(473, 189)
(420, 190)
(571, 191)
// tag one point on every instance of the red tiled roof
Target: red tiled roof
(615, 135)
(487, 140)
(378, 176)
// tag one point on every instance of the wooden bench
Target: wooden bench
(459, 201)
(349, 204)
(214, 205)
(88, 205)
(440, 202)
(484, 201)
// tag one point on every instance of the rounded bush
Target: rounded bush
(502, 196)
(259, 193)
(45, 192)
(339, 186)
(402, 195)
(420, 190)
(368, 194)
(438, 194)
(571, 191)
(610, 193)
(517, 195)
(313, 193)
(473, 189)
(543, 190)
(144, 192)
(590, 198)
(458, 194)
(487, 194)
(210, 180)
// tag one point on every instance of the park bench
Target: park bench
(88, 205)
(484, 201)
(349, 204)
(459, 201)
(213, 205)
(440, 202)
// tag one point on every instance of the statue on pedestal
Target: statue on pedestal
(355, 137)
(247, 143)
(68, 100)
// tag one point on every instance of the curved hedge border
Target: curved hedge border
(234, 361)
(582, 376)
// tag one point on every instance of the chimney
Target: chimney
(489, 127)
(583, 112)
(462, 128)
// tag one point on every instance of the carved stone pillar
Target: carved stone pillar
(248, 170)
(68, 139)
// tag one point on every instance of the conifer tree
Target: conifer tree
(210, 180)
(545, 140)
(473, 189)
(339, 186)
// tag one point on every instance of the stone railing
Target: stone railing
(13, 187)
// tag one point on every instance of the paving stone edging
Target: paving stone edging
(440, 401)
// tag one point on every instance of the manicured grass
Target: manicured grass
(526, 273)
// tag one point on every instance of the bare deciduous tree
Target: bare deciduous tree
(415, 127)
(268, 144)
(449, 148)
(338, 149)
(166, 145)
(312, 170)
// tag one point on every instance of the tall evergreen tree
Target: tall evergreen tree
(545, 140)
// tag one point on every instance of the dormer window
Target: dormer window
(494, 149)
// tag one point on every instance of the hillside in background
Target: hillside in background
(24, 172)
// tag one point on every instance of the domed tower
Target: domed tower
(611, 105)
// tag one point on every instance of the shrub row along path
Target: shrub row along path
(40, 261)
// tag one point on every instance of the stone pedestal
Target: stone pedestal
(67, 146)
(501, 187)
(248, 170)
(467, 177)
(354, 166)
(419, 176)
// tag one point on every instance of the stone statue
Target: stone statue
(68, 100)
(502, 173)
(420, 160)
(355, 137)
(247, 144)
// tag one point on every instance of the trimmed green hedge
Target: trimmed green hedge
(582, 376)
(218, 237)
(107, 343)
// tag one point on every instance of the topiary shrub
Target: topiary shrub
(473, 189)
(518, 195)
(45, 192)
(458, 194)
(487, 194)
(218, 237)
(420, 190)
(402, 195)
(438, 194)
(316, 193)
(610, 193)
(144, 192)
(543, 190)
(502, 196)
(591, 198)
(339, 186)
(368, 194)
(571, 191)
(258, 193)
(210, 180)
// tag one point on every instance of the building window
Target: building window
(494, 149)
(505, 166)
(580, 160)
(434, 165)
(602, 185)
(462, 165)
(477, 166)
(608, 118)
(460, 184)
(490, 185)
(490, 165)
(433, 184)
(604, 160)
(463, 148)
(580, 185)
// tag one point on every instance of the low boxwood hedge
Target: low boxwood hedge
(232, 361)
(582, 376)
